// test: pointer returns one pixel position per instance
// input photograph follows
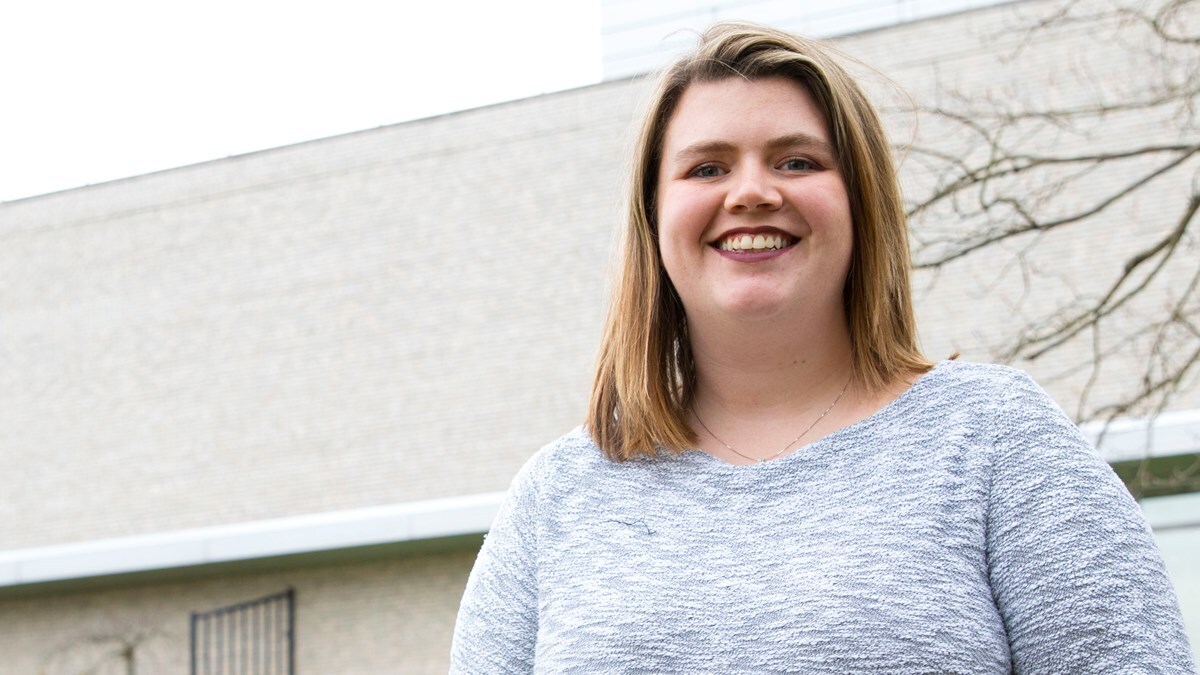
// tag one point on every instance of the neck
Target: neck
(751, 370)
(759, 384)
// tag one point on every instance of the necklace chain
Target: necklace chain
(785, 448)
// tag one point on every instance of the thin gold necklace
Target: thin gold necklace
(785, 448)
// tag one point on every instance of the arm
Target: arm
(496, 630)
(1073, 566)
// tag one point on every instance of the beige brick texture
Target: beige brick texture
(409, 312)
(393, 616)
(394, 315)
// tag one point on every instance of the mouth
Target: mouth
(743, 242)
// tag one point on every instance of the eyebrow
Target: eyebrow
(790, 140)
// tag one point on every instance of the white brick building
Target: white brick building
(316, 366)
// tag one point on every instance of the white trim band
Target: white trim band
(1170, 433)
(412, 521)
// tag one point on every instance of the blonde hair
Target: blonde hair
(645, 371)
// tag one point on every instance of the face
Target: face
(753, 215)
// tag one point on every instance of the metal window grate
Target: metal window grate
(256, 637)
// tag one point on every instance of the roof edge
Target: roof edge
(254, 540)
(1168, 433)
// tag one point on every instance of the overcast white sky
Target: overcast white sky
(98, 90)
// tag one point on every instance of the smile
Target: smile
(754, 242)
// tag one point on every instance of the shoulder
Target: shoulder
(573, 450)
(1002, 408)
(530, 497)
(566, 458)
(988, 389)
(984, 378)
(1028, 436)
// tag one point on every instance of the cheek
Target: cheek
(830, 205)
(683, 216)
(668, 223)
(677, 236)
(671, 255)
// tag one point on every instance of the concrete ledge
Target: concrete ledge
(263, 539)
(1171, 433)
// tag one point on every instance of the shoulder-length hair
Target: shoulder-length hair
(645, 375)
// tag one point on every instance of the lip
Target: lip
(753, 256)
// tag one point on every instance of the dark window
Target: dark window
(256, 637)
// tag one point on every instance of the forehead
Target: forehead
(739, 110)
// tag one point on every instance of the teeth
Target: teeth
(756, 242)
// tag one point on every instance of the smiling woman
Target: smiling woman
(772, 477)
(747, 161)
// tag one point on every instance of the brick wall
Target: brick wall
(406, 313)
(394, 616)
(409, 312)
(393, 315)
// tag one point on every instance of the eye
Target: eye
(799, 164)
(706, 171)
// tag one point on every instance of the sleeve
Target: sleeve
(1074, 570)
(496, 629)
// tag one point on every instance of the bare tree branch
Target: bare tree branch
(1001, 177)
(1110, 302)
(1029, 222)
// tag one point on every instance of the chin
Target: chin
(752, 308)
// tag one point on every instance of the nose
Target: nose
(752, 189)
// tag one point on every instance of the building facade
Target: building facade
(317, 367)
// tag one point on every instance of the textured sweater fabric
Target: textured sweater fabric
(967, 527)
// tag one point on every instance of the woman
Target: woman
(772, 477)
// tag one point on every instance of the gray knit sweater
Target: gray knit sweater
(965, 528)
